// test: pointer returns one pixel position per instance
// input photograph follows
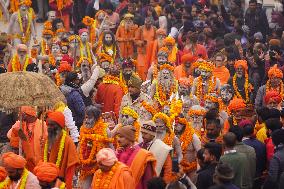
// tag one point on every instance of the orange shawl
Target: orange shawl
(139, 163)
(222, 73)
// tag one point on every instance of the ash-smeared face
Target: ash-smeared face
(205, 74)
(84, 36)
(127, 120)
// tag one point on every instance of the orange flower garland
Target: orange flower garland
(280, 89)
(246, 86)
(58, 79)
(51, 60)
(170, 134)
(123, 83)
(149, 108)
(99, 184)
(161, 96)
(188, 166)
(88, 21)
(187, 136)
(97, 135)
(199, 90)
(109, 79)
(16, 66)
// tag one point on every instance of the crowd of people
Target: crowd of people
(159, 94)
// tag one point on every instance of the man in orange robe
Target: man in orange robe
(110, 91)
(108, 164)
(31, 134)
(141, 162)
(170, 43)
(125, 36)
(220, 70)
(183, 70)
(21, 60)
(57, 136)
(157, 44)
(144, 38)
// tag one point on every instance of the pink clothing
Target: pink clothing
(32, 183)
(126, 156)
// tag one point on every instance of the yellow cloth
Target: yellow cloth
(261, 134)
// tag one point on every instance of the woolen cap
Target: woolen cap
(149, 127)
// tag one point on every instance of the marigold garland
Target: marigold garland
(109, 79)
(5, 184)
(58, 79)
(87, 48)
(123, 83)
(62, 186)
(246, 86)
(24, 179)
(82, 59)
(188, 166)
(280, 88)
(149, 108)
(187, 136)
(167, 67)
(161, 96)
(26, 34)
(60, 151)
(88, 21)
(155, 71)
(51, 60)
(170, 134)
(16, 66)
(74, 37)
(107, 49)
(196, 112)
(207, 66)
(47, 25)
(44, 48)
(107, 177)
(211, 86)
(129, 111)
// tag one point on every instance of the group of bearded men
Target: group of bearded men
(133, 109)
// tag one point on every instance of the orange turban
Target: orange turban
(161, 32)
(3, 174)
(13, 160)
(169, 40)
(236, 104)
(188, 58)
(106, 156)
(103, 57)
(242, 63)
(57, 117)
(272, 95)
(46, 171)
(64, 67)
(29, 110)
(275, 72)
(185, 81)
(274, 42)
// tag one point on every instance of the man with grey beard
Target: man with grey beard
(65, 157)
(167, 83)
(93, 125)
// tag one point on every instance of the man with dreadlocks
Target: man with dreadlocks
(128, 68)
(196, 114)
(226, 93)
(190, 144)
(165, 87)
(94, 136)
(205, 83)
(162, 58)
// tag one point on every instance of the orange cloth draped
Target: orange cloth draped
(125, 39)
(199, 50)
(110, 96)
(69, 159)
(222, 73)
(139, 163)
(31, 147)
(180, 72)
(144, 40)
(122, 178)
(155, 49)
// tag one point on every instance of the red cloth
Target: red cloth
(110, 96)
(57, 117)
(200, 50)
(269, 149)
(68, 59)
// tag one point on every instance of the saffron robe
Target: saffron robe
(125, 39)
(10, 67)
(31, 148)
(222, 73)
(122, 178)
(142, 165)
(144, 40)
(69, 160)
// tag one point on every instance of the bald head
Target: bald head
(230, 140)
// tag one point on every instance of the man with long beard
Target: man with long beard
(135, 97)
(165, 87)
(125, 36)
(205, 83)
(141, 162)
(95, 136)
(226, 93)
(32, 134)
(196, 114)
(85, 47)
(108, 46)
(184, 70)
(59, 148)
(18, 175)
(190, 144)
(162, 58)
(158, 44)
(20, 60)
(21, 25)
